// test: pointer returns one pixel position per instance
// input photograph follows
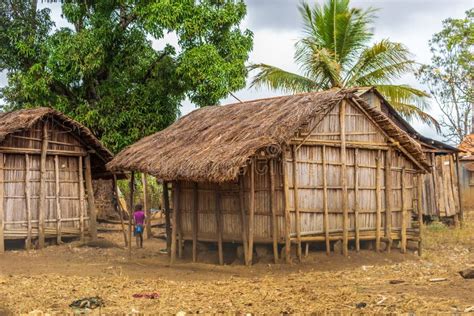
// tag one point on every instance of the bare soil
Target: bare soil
(47, 281)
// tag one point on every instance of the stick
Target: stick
(149, 235)
(295, 201)
(91, 199)
(2, 210)
(404, 215)
(28, 203)
(273, 219)
(122, 213)
(252, 211)
(81, 197)
(345, 221)
(458, 181)
(175, 221)
(243, 218)
(195, 219)
(356, 199)
(287, 207)
(132, 192)
(166, 206)
(58, 201)
(42, 189)
(378, 219)
(325, 202)
(388, 199)
(420, 212)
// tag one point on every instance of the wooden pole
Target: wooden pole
(378, 194)
(404, 214)
(2, 209)
(458, 180)
(175, 221)
(219, 226)
(122, 211)
(149, 234)
(296, 204)
(58, 201)
(457, 217)
(166, 209)
(91, 200)
(345, 220)
(435, 185)
(81, 197)
(273, 219)
(130, 215)
(243, 218)
(195, 219)
(356, 199)
(28, 204)
(420, 212)
(388, 199)
(325, 202)
(287, 207)
(252, 210)
(42, 188)
(179, 230)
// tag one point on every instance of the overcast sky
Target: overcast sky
(276, 25)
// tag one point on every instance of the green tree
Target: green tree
(334, 52)
(114, 68)
(450, 75)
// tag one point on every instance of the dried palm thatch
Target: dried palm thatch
(213, 143)
(17, 121)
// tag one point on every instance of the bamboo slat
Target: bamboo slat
(166, 205)
(58, 201)
(251, 211)
(81, 197)
(378, 220)
(296, 201)
(345, 220)
(28, 203)
(420, 211)
(356, 199)
(404, 215)
(273, 222)
(90, 199)
(42, 189)
(243, 218)
(195, 220)
(2, 209)
(388, 199)
(325, 202)
(286, 207)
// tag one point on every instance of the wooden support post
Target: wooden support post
(420, 212)
(287, 207)
(458, 181)
(252, 210)
(179, 230)
(219, 226)
(174, 225)
(295, 201)
(452, 178)
(122, 211)
(2, 209)
(273, 218)
(434, 174)
(130, 213)
(388, 198)
(58, 201)
(91, 200)
(378, 194)
(28, 203)
(325, 201)
(81, 197)
(243, 218)
(42, 188)
(166, 207)
(149, 234)
(345, 197)
(195, 219)
(356, 199)
(404, 214)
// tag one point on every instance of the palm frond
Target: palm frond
(276, 78)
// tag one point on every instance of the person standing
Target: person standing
(139, 219)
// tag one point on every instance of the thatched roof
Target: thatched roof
(213, 143)
(16, 121)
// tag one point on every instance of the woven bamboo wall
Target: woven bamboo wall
(366, 151)
(21, 161)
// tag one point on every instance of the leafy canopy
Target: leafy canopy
(335, 52)
(450, 75)
(115, 68)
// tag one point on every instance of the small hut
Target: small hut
(47, 166)
(307, 168)
(441, 194)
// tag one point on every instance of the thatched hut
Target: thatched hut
(441, 194)
(315, 167)
(47, 165)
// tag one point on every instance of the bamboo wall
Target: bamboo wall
(323, 186)
(43, 173)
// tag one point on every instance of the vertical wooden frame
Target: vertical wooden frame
(251, 210)
(166, 206)
(219, 225)
(325, 201)
(420, 211)
(2, 204)
(404, 214)
(121, 210)
(286, 194)
(174, 225)
(42, 189)
(195, 219)
(81, 197)
(296, 203)
(458, 181)
(91, 199)
(378, 202)
(388, 198)
(130, 215)
(345, 210)
(149, 234)
(243, 218)
(57, 199)
(434, 174)
(29, 228)
(356, 199)
(273, 219)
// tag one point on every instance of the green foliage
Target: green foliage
(105, 69)
(334, 52)
(450, 75)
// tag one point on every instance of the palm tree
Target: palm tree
(334, 52)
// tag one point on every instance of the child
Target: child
(139, 221)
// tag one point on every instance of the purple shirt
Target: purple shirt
(139, 217)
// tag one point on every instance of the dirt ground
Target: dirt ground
(49, 280)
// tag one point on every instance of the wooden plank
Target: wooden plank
(356, 199)
(32, 151)
(455, 201)
(174, 225)
(2, 207)
(458, 181)
(166, 206)
(325, 201)
(81, 197)
(219, 226)
(91, 199)
(58, 200)
(42, 188)
(420, 212)
(378, 194)
(404, 215)
(122, 211)
(345, 219)
(195, 219)
(251, 211)
(388, 199)
(273, 218)
(130, 213)
(287, 207)
(296, 202)
(179, 227)
(149, 234)
(243, 217)
(435, 184)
